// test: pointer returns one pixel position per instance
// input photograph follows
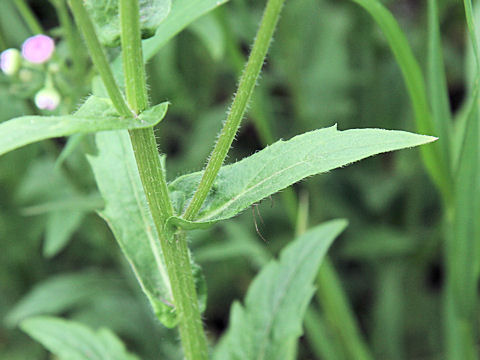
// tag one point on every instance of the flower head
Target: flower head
(38, 49)
(47, 99)
(10, 61)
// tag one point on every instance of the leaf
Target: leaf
(59, 229)
(271, 320)
(58, 294)
(70, 340)
(282, 164)
(106, 18)
(95, 115)
(127, 214)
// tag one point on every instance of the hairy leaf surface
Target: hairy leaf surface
(282, 164)
(96, 114)
(70, 340)
(270, 322)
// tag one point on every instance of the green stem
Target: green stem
(259, 112)
(239, 105)
(29, 17)
(174, 246)
(76, 53)
(134, 70)
(98, 56)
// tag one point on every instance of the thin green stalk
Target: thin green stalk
(174, 246)
(258, 112)
(29, 17)
(239, 105)
(98, 56)
(76, 52)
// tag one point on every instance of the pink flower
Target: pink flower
(38, 49)
(47, 99)
(10, 61)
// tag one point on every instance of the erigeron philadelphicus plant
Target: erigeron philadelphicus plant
(150, 217)
(36, 51)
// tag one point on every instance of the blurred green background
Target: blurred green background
(329, 63)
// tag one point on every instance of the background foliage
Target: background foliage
(329, 64)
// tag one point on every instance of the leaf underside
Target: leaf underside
(96, 114)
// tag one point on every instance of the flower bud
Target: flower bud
(47, 99)
(38, 49)
(10, 61)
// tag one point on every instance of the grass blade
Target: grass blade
(436, 164)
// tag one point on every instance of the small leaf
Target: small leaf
(70, 340)
(239, 185)
(105, 16)
(270, 322)
(95, 115)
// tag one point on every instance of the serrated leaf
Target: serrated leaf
(127, 214)
(106, 18)
(248, 181)
(271, 320)
(58, 294)
(70, 340)
(96, 114)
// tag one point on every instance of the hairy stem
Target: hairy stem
(239, 105)
(173, 246)
(98, 56)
